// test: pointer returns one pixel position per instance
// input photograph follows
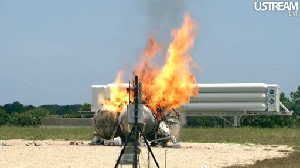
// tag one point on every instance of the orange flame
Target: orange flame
(169, 86)
(173, 84)
(118, 96)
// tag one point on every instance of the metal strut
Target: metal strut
(135, 131)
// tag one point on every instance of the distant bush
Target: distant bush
(248, 121)
(38, 114)
(22, 119)
(298, 123)
(4, 117)
(205, 122)
(16, 107)
(268, 121)
(72, 115)
(62, 109)
(28, 118)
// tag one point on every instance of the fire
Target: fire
(118, 96)
(171, 85)
(168, 86)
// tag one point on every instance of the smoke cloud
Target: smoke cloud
(162, 16)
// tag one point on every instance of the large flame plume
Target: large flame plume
(173, 84)
(168, 86)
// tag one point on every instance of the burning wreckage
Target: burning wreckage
(112, 128)
(164, 89)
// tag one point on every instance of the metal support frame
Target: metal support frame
(235, 115)
(136, 132)
(236, 121)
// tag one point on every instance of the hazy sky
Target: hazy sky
(52, 51)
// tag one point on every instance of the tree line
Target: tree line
(18, 114)
(24, 115)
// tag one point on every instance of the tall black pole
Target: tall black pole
(136, 106)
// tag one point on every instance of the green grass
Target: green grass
(284, 136)
(41, 133)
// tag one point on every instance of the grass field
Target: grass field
(283, 136)
(41, 133)
(286, 136)
(276, 136)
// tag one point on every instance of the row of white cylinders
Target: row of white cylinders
(229, 98)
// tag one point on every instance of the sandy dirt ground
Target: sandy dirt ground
(61, 154)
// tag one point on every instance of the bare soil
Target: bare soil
(70, 154)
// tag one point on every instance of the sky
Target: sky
(52, 51)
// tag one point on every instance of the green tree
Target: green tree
(62, 109)
(30, 117)
(38, 114)
(14, 107)
(286, 101)
(3, 117)
(22, 119)
(85, 107)
(295, 98)
(53, 109)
